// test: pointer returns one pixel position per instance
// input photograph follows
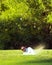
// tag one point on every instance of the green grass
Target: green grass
(15, 57)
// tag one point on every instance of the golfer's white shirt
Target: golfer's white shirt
(29, 51)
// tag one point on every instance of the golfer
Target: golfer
(27, 51)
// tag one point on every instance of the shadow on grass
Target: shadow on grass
(39, 61)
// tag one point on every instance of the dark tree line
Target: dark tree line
(25, 22)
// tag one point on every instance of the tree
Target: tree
(25, 22)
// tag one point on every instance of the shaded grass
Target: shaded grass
(15, 57)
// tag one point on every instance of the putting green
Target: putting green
(15, 57)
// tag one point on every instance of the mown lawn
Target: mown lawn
(15, 57)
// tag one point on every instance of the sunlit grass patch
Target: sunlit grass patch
(15, 57)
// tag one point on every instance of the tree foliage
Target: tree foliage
(25, 22)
